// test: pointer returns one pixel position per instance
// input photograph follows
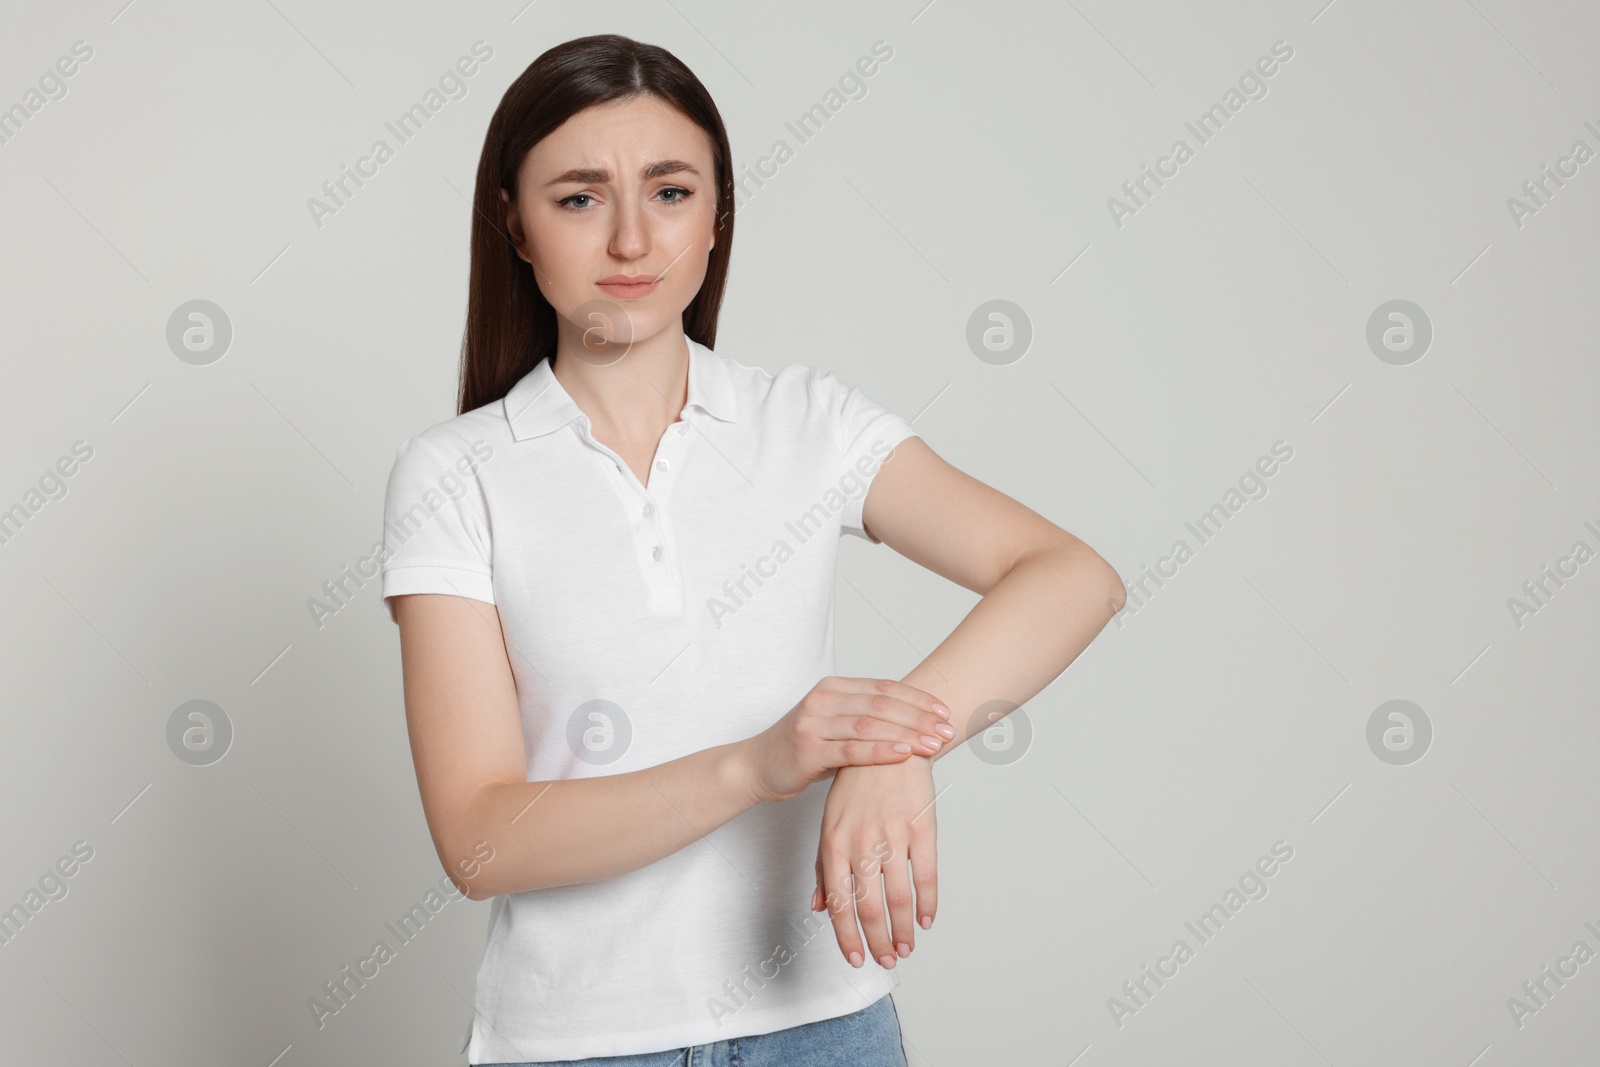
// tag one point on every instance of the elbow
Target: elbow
(1083, 574)
(1116, 591)
(470, 869)
(476, 887)
(467, 846)
(1091, 571)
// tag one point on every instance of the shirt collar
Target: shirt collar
(538, 403)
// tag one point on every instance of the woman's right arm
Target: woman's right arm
(466, 742)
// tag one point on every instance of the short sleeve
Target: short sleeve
(436, 524)
(867, 433)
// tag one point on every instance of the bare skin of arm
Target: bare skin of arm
(1045, 596)
(495, 832)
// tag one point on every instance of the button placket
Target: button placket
(649, 529)
(665, 467)
(662, 466)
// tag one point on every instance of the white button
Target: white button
(661, 464)
(683, 429)
(648, 508)
(655, 553)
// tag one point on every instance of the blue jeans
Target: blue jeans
(866, 1038)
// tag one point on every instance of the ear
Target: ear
(505, 203)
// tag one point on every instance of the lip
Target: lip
(629, 286)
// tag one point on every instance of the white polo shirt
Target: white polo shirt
(644, 623)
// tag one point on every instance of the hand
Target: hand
(844, 722)
(874, 820)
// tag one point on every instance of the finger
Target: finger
(868, 753)
(924, 854)
(838, 885)
(908, 694)
(878, 718)
(897, 894)
(852, 705)
(895, 703)
(816, 890)
(871, 912)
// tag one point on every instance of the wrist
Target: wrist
(738, 767)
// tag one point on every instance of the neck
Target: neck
(630, 392)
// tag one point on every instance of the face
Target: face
(615, 211)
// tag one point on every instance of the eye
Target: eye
(677, 189)
(567, 201)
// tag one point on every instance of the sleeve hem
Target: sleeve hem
(891, 429)
(452, 581)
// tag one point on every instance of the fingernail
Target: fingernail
(902, 948)
(855, 959)
(931, 742)
(945, 730)
(887, 961)
(900, 746)
(943, 711)
(926, 921)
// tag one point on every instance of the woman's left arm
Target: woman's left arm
(1045, 596)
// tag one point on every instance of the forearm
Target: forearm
(586, 829)
(1025, 631)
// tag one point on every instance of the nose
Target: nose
(631, 238)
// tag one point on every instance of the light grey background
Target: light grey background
(1168, 355)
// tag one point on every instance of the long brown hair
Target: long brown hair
(510, 325)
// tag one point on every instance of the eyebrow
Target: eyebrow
(599, 175)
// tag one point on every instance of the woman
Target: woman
(613, 574)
